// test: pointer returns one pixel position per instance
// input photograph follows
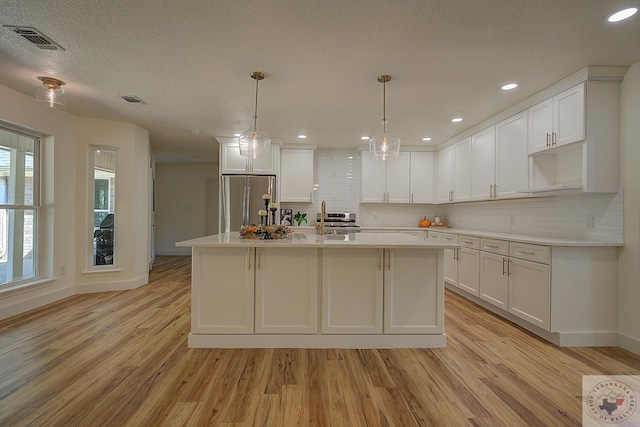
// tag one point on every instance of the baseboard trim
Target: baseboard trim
(560, 339)
(36, 302)
(110, 286)
(316, 341)
(176, 251)
(628, 343)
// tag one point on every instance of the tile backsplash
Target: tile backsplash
(579, 216)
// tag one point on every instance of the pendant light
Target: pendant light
(51, 92)
(384, 146)
(254, 142)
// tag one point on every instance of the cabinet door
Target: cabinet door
(398, 178)
(569, 116)
(230, 159)
(352, 291)
(296, 175)
(373, 186)
(412, 292)
(494, 282)
(286, 291)
(483, 164)
(422, 173)
(450, 260)
(540, 126)
(445, 174)
(529, 291)
(512, 169)
(268, 164)
(462, 171)
(469, 270)
(222, 290)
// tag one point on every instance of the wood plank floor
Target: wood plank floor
(121, 359)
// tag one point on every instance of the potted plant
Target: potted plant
(300, 218)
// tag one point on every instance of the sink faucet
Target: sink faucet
(323, 211)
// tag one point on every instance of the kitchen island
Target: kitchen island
(360, 290)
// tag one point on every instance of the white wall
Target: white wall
(65, 140)
(181, 204)
(629, 256)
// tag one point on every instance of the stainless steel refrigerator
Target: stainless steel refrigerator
(241, 197)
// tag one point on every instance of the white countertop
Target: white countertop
(302, 240)
(524, 238)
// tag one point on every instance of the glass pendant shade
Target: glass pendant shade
(254, 143)
(51, 93)
(385, 145)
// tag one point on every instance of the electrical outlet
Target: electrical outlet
(591, 221)
(512, 220)
(63, 270)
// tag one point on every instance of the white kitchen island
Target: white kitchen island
(310, 291)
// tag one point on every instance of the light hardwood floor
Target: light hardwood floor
(121, 359)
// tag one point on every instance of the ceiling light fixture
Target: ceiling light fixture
(365, 138)
(457, 120)
(510, 86)
(622, 14)
(385, 145)
(254, 142)
(426, 139)
(51, 92)
(302, 136)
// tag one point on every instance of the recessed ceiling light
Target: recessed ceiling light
(456, 120)
(510, 86)
(237, 134)
(426, 139)
(622, 14)
(302, 136)
(364, 137)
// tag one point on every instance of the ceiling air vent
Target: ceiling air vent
(133, 99)
(35, 37)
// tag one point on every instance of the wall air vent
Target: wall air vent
(35, 37)
(133, 99)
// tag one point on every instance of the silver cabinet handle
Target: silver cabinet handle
(495, 191)
(380, 259)
(389, 261)
(526, 252)
(554, 137)
(548, 144)
(259, 258)
(503, 269)
(468, 242)
(249, 256)
(509, 268)
(411, 197)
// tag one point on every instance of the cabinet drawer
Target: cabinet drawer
(500, 247)
(451, 238)
(470, 242)
(434, 235)
(529, 252)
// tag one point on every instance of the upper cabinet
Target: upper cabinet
(558, 121)
(583, 149)
(483, 164)
(422, 174)
(296, 175)
(512, 162)
(386, 181)
(231, 162)
(454, 172)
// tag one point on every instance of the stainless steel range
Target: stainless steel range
(338, 223)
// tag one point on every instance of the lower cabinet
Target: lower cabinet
(494, 282)
(362, 287)
(286, 289)
(352, 291)
(226, 306)
(450, 260)
(469, 270)
(529, 291)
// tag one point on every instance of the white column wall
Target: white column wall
(629, 256)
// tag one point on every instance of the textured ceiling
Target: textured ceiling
(191, 61)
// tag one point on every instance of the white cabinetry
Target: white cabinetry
(469, 264)
(226, 306)
(386, 181)
(450, 260)
(409, 287)
(286, 291)
(422, 174)
(558, 121)
(352, 291)
(231, 162)
(454, 172)
(583, 152)
(529, 291)
(512, 162)
(494, 282)
(483, 164)
(296, 175)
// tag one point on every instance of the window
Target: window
(19, 207)
(103, 205)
